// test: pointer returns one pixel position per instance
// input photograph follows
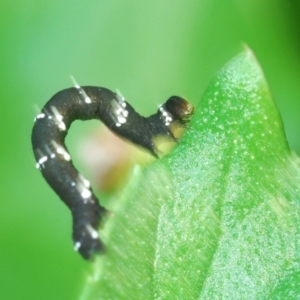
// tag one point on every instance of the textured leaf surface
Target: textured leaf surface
(217, 218)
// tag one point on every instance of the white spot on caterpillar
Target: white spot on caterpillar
(87, 99)
(166, 116)
(85, 182)
(50, 152)
(39, 116)
(61, 150)
(62, 126)
(64, 153)
(83, 186)
(59, 118)
(77, 246)
(122, 120)
(85, 194)
(42, 160)
(73, 183)
(93, 233)
(120, 114)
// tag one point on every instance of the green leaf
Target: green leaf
(219, 217)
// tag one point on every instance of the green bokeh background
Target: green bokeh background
(149, 50)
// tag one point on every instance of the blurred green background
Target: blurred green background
(147, 49)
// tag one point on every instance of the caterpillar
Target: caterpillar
(51, 126)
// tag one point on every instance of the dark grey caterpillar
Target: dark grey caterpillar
(52, 157)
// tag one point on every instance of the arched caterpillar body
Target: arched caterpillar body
(85, 103)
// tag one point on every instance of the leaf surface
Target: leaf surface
(218, 217)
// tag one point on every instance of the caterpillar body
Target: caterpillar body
(54, 161)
